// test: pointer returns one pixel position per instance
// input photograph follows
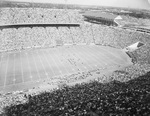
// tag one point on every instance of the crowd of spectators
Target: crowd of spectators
(131, 72)
(38, 15)
(22, 38)
(121, 38)
(127, 79)
(65, 35)
(86, 29)
(89, 99)
(77, 35)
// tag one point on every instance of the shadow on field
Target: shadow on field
(92, 99)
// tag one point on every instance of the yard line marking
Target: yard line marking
(106, 57)
(28, 63)
(14, 80)
(31, 77)
(0, 63)
(77, 66)
(35, 67)
(97, 56)
(42, 64)
(51, 66)
(46, 74)
(113, 54)
(60, 71)
(21, 68)
(54, 62)
(61, 62)
(14, 68)
(112, 61)
(6, 72)
(91, 55)
(48, 63)
(102, 58)
(1, 60)
(84, 58)
(67, 63)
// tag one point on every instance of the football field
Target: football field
(24, 68)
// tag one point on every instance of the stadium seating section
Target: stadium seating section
(81, 100)
(23, 38)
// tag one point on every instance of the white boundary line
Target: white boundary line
(48, 62)
(89, 56)
(113, 54)
(102, 58)
(80, 58)
(21, 67)
(106, 57)
(68, 64)
(77, 54)
(96, 57)
(14, 80)
(78, 66)
(6, 72)
(35, 66)
(55, 63)
(0, 62)
(83, 56)
(42, 64)
(51, 61)
(1, 59)
(60, 61)
(26, 54)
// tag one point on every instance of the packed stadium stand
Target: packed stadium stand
(87, 33)
(127, 93)
(92, 99)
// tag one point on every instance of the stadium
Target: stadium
(53, 62)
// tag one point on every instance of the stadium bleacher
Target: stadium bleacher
(76, 100)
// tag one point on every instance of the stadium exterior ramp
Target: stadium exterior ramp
(134, 46)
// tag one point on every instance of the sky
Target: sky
(143, 4)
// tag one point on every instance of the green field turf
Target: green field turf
(28, 67)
